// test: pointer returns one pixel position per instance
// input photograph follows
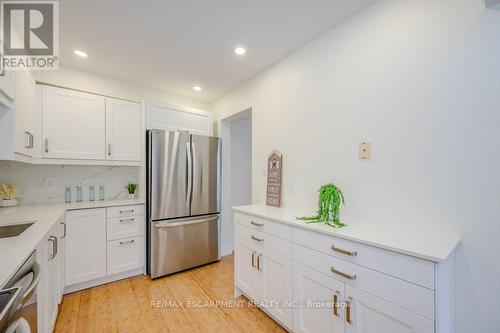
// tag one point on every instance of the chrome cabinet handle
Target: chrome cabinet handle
(46, 145)
(64, 233)
(127, 220)
(109, 149)
(27, 139)
(335, 303)
(53, 240)
(126, 211)
(127, 242)
(344, 275)
(348, 318)
(32, 141)
(257, 224)
(349, 253)
(257, 239)
(253, 259)
(258, 262)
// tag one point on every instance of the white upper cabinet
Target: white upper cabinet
(123, 130)
(27, 108)
(73, 124)
(176, 118)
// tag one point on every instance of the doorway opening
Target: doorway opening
(236, 134)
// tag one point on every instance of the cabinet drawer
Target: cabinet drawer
(125, 227)
(404, 267)
(121, 211)
(261, 240)
(277, 229)
(417, 299)
(125, 255)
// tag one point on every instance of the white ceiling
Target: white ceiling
(173, 45)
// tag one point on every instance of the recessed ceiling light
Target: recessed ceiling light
(81, 53)
(197, 88)
(240, 51)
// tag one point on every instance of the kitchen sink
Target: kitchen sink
(14, 230)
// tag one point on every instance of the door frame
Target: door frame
(224, 131)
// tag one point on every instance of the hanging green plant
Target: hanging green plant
(330, 198)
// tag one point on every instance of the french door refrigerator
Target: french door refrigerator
(183, 201)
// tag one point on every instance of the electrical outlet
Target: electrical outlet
(365, 151)
(49, 182)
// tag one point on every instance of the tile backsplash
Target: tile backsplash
(42, 184)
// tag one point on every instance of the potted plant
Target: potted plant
(131, 187)
(329, 201)
(8, 195)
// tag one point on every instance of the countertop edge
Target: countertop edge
(437, 258)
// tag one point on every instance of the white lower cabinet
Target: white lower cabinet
(246, 273)
(317, 296)
(370, 314)
(324, 284)
(103, 244)
(125, 255)
(276, 285)
(265, 276)
(50, 255)
(85, 245)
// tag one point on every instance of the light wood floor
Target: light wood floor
(125, 306)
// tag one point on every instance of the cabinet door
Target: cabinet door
(315, 294)
(125, 255)
(85, 245)
(73, 124)
(276, 285)
(178, 118)
(27, 115)
(370, 314)
(123, 130)
(245, 265)
(53, 275)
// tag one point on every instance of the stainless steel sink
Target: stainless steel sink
(14, 230)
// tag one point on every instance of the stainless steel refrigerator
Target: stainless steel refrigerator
(183, 201)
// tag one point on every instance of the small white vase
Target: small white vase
(131, 196)
(8, 203)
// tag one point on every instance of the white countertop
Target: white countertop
(416, 243)
(15, 250)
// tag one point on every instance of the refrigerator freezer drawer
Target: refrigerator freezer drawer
(180, 244)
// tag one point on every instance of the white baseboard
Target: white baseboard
(103, 280)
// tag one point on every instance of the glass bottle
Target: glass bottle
(79, 193)
(67, 194)
(91, 193)
(101, 192)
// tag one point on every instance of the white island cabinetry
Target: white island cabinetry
(312, 278)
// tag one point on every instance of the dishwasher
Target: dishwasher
(18, 299)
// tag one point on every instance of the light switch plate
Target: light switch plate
(365, 150)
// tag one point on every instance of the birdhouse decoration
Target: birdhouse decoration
(274, 168)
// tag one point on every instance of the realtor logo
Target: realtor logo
(29, 33)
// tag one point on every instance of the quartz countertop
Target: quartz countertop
(417, 243)
(15, 250)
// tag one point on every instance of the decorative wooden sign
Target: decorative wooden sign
(274, 168)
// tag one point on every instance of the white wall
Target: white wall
(421, 81)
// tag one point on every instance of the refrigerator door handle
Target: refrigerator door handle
(175, 224)
(189, 175)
